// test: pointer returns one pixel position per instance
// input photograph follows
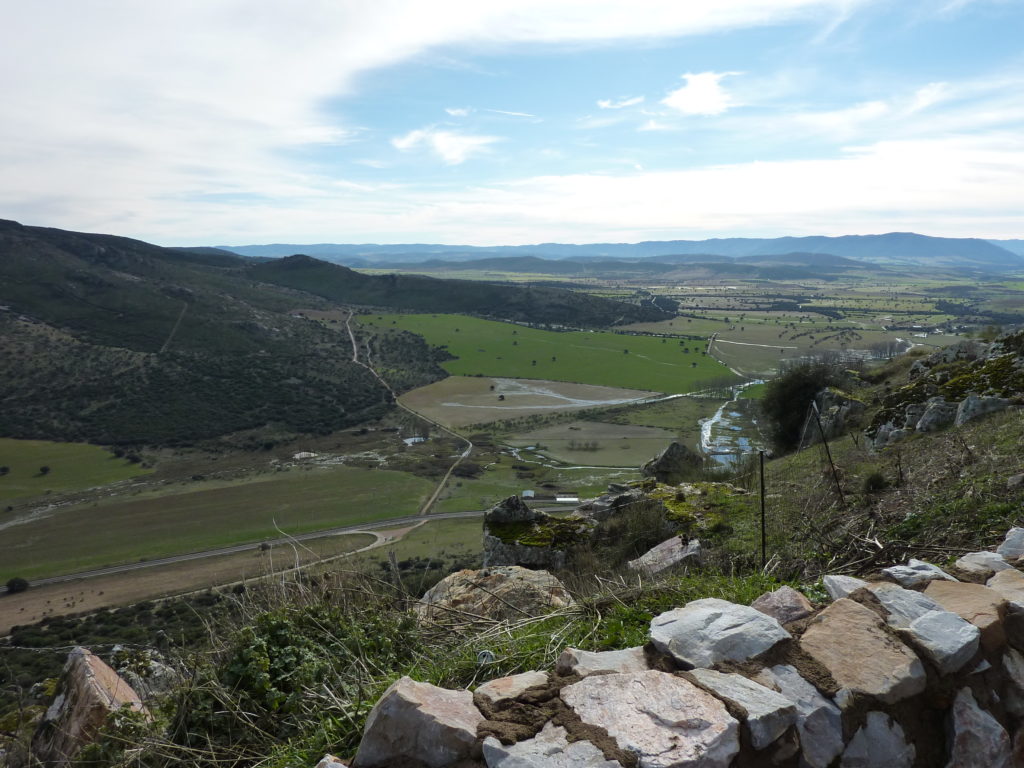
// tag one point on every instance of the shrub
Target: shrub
(787, 397)
(17, 584)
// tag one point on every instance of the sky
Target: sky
(202, 122)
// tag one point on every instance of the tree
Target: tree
(44, 470)
(17, 584)
(787, 398)
(4, 470)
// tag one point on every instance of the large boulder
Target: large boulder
(839, 411)
(662, 719)
(88, 693)
(705, 632)
(937, 414)
(975, 406)
(500, 593)
(514, 534)
(419, 722)
(673, 465)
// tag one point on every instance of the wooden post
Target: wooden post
(764, 545)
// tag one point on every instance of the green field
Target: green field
(113, 531)
(72, 467)
(488, 348)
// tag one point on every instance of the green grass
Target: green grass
(488, 348)
(73, 467)
(146, 527)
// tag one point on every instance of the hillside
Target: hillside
(534, 304)
(110, 340)
(896, 248)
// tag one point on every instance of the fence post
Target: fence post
(828, 453)
(764, 540)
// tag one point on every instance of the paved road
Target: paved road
(367, 527)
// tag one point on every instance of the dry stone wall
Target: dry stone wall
(918, 667)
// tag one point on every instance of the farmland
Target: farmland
(69, 467)
(47, 541)
(488, 348)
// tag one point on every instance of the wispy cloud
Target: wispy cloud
(609, 104)
(702, 95)
(509, 113)
(457, 111)
(452, 147)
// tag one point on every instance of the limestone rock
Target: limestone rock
(974, 406)
(839, 586)
(664, 720)
(419, 721)
(496, 593)
(769, 714)
(983, 607)
(850, 641)
(1009, 584)
(1013, 545)
(916, 572)
(665, 555)
(583, 663)
(982, 564)
(819, 722)
(937, 414)
(977, 738)
(673, 465)
(1013, 668)
(784, 605)
(705, 632)
(330, 761)
(498, 552)
(88, 692)
(548, 749)
(505, 688)
(1013, 482)
(880, 743)
(945, 639)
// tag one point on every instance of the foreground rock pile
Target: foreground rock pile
(915, 668)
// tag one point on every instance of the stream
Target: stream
(733, 430)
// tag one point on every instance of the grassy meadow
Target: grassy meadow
(120, 530)
(488, 348)
(72, 467)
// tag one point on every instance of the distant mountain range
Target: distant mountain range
(900, 249)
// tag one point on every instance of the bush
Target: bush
(875, 481)
(17, 584)
(787, 397)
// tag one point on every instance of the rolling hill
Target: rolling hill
(110, 340)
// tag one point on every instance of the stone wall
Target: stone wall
(918, 667)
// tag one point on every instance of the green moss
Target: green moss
(557, 532)
(701, 509)
(998, 376)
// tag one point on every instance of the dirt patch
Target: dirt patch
(522, 718)
(87, 595)
(462, 400)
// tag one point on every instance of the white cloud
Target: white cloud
(511, 114)
(609, 104)
(702, 95)
(452, 147)
(457, 111)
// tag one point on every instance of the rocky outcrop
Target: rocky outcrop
(839, 412)
(514, 534)
(491, 594)
(952, 387)
(88, 694)
(673, 465)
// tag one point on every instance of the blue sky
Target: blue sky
(248, 121)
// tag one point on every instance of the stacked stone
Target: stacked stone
(916, 668)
